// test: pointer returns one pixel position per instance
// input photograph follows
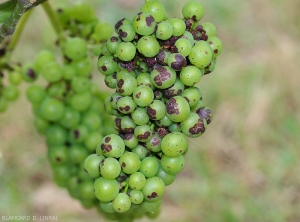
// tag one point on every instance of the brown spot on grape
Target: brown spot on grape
(119, 23)
(127, 136)
(138, 95)
(106, 147)
(205, 113)
(123, 165)
(31, 73)
(155, 141)
(187, 99)
(169, 93)
(122, 34)
(194, 17)
(151, 112)
(162, 132)
(104, 68)
(144, 136)
(163, 75)
(107, 139)
(118, 123)
(216, 51)
(210, 42)
(160, 57)
(76, 134)
(198, 127)
(58, 159)
(138, 16)
(172, 107)
(153, 195)
(149, 20)
(179, 62)
(127, 108)
(114, 39)
(120, 83)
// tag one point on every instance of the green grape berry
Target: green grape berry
(112, 146)
(144, 23)
(193, 10)
(92, 165)
(126, 51)
(110, 168)
(148, 46)
(106, 190)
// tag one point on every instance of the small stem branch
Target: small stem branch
(54, 21)
(16, 36)
(8, 27)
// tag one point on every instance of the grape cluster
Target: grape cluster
(9, 90)
(69, 109)
(80, 20)
(154, 64)
(69, 113)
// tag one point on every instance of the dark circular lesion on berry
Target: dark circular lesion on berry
(31, 73)
(103, 68)
(151, 112)
(187, 99)
(76, 134)
(144, 136)
(155, 141)
(169, 93)
(58, 159)
(138, 16)
(199, 127)
(127, 108)
(162, 132)
(106, 147)
(123, 165)
(216, 51)
(114, 39)
(172, 107)
(122, 34)
(107, 139)
(119, 23)
(163, 75)
(161, 57)
(127, 136)
(118, 123)
(205, 113)
(153, 195)
(149, 20)
(179, 62)
(120, 83)
(138, 95)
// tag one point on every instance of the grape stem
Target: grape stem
(54, 21)
(126, 188)
(8, 27)
(11, 44)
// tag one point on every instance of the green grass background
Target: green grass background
(244, 168)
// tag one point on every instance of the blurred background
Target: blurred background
(244, 168)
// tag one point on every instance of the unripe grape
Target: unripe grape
(75, 48)
(148, 46)
(106, 190)
(144, 23)
(193, 10)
